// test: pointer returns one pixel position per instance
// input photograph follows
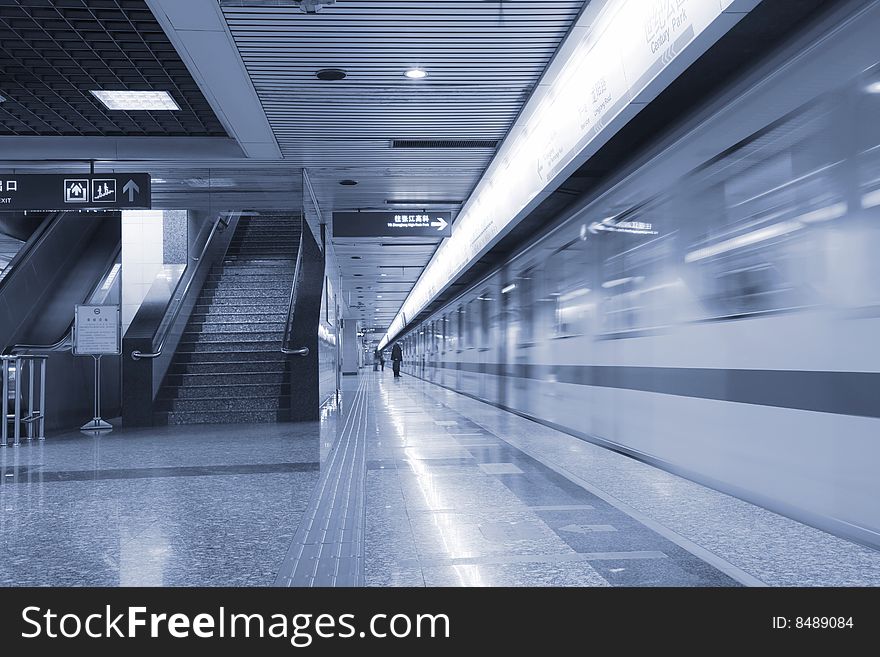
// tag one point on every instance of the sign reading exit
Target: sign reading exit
(75, 191)
(392, 224)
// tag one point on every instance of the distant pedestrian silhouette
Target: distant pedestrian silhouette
(396, 357)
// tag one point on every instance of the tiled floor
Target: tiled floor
(403, 484)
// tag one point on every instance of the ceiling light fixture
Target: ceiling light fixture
(331, 74)
(416, 73)
(2, 99)
(136, 100)
(873, 88)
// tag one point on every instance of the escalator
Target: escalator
(70, 258)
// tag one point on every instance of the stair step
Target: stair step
(258, 262)
(220, 326)
(265, 282)
(226, 347)
(237, 314)
(189, 356)
(231, 337)
(270, 239)
(223, 404)
(248, 277)
(234, 293)
(231, 377)
(222, 391)
(220, 417)
(222, 368)
(262, 312)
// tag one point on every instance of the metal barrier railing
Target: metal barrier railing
(23, 404)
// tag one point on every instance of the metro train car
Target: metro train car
(716, 309)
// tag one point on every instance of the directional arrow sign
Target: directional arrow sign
(404, 223)
(131, 188)
(75, 191)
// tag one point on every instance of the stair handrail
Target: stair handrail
(137, 354)
(286, 349)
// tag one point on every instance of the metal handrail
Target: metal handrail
(137, 354)
(12, 372)
(64, 344)
(285, 343)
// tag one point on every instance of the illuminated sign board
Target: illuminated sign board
(392, 224)
(75, 191)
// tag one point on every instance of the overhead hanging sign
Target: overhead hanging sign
(392, 224)
(75, 191)
(97, 331)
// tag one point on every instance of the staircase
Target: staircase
(228, 367)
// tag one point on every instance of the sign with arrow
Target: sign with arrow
(75, 191)
(392, 224)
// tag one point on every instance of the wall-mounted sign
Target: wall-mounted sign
(392, 224)
(97, 331)
(75, 191)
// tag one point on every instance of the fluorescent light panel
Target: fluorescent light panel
(136, 100)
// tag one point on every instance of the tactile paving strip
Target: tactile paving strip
(328, 547)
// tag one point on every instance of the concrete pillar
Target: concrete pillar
(350, 347)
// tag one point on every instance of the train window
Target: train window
(485, 300)
(638, 277)
(524, 288)
(753, 254)
(570, 290)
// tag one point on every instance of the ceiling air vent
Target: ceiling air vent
(444, 143)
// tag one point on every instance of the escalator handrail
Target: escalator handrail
(65, 342)
(223, 221)
(36, 238)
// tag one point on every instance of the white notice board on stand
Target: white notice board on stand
(97, 331)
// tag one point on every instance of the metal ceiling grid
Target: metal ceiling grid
(53, 52)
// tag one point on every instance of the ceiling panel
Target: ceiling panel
(483, 61)
(53, 52)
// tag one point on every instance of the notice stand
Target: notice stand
(97, 332)
(97, 423)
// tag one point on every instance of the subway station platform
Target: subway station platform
(402, 483)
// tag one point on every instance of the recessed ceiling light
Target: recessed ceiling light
(416, 73)
(873, 88)
(383, 274)
(331, 74)
(136, 100)
(348, 182)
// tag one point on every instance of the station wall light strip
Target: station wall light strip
(602, 75)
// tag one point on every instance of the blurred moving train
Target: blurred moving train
(715, 310)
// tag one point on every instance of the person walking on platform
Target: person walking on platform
(382, 360)
(376, 360)
(396, 357)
